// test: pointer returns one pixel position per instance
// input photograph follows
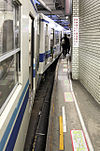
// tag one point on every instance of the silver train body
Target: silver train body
(29, 44)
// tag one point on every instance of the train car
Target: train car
(18, 36)
(50, 36)
(29, 43)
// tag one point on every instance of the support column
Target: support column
(75, 40)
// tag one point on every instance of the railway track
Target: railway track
(37, 131)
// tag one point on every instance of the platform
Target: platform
(74, 123)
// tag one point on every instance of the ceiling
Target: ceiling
(55, 9)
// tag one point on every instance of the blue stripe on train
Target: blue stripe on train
(33, 5)
(14, 134)
(47, 56)
(48, 53)
(34, 66)
(34, 73)
(8, 129)
(43, 20)
(41, 57)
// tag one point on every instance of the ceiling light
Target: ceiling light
(66, 17)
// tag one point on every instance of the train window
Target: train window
(57, 37)
(46, 38)
(9, 26)
(52, 39)
(17, 26)
(52, 42)
(9, 47)
(60, 35)
(46, 43)
(8, 78)
(38, 44)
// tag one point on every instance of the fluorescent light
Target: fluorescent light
(66, 17)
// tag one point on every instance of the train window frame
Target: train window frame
(46, 42)
(56, 37)
(52, 41)
(14, 54)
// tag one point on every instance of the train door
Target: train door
(52, 42)
(31, 54)
(46, 44)
(60, 39)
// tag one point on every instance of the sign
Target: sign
(68, 97)
(75, 31)
(78, 141)
(68, 7)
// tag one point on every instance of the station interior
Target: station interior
(49, 101)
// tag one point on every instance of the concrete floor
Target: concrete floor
(90, 112)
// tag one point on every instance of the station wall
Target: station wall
(89, 46)
(86, 57)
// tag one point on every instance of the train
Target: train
(29, 44)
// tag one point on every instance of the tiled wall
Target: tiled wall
(89, 48)
(86, 57)
(75, 50)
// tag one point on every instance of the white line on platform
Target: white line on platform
(82, 121)
(64, 119)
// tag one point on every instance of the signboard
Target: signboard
(68, 7)
(75, 31)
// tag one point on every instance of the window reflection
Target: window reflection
(9, 26)
(9, 41)
(17, 25)
(52, 38)
(57, 36)
(6, 5)
(52, 41)
(8, 78)
(8, 37)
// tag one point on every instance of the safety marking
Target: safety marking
(40, 134)
(81, 120)
(68, 97)
(60, 77)
(34, 143)
(78, 140)
(65, 70)
(53, 108)
(65, 65)
(66, 82)
(61, 140)
(64, 119)
(63, 61)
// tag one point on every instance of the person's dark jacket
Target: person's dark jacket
(66, 44)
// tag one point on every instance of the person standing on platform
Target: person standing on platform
(65, 45)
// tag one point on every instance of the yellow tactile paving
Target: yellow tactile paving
(61, 140)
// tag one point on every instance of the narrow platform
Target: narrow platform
(74, 123)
